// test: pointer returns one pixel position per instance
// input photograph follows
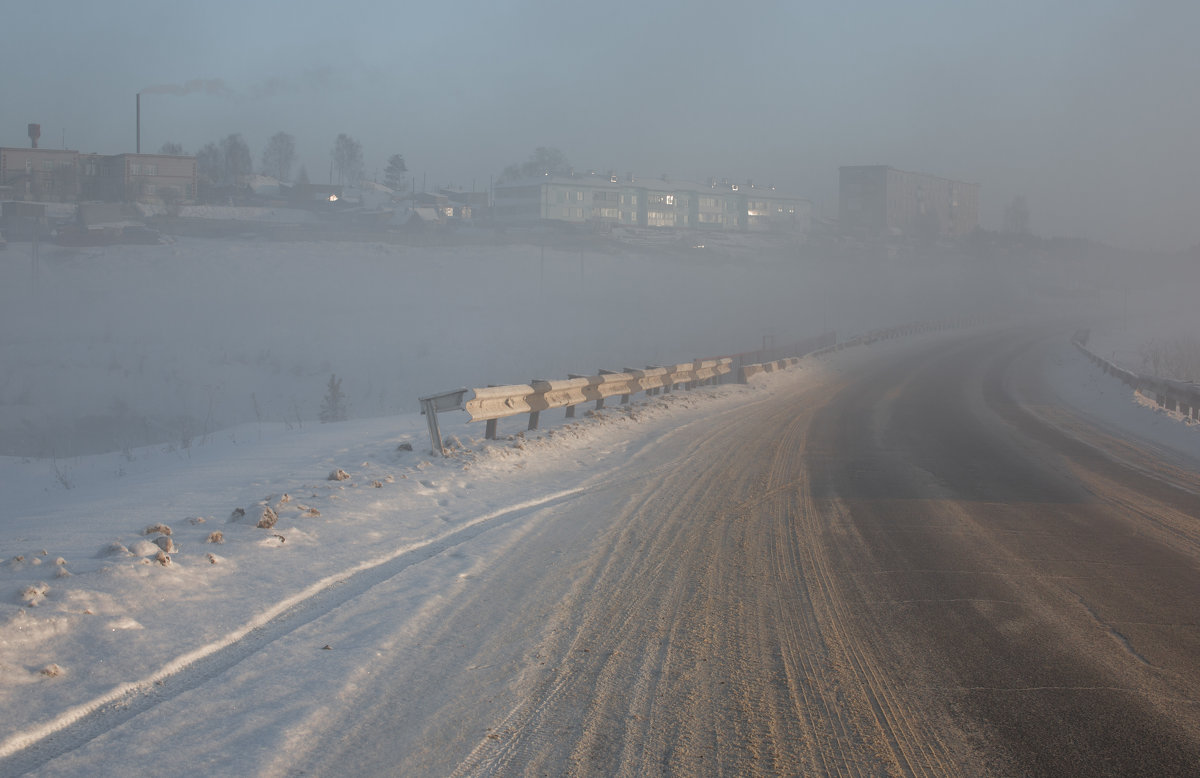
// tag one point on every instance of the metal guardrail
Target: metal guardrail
(434, 404)
(1179, 396)
(762, 368)
(492, 403)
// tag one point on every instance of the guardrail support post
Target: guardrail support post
(431, 405)
(534, 416)
(489, 430)
(600, 402)
(429, 408)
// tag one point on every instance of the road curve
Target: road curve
(918, 567)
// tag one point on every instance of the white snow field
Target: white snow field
(240, 643)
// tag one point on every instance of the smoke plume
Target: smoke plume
(211, 86)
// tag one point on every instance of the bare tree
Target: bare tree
(235, 155)
(279, 156)
(210, 169)
(393, 175)
(545, 160)
(347, 159)
(172, 148)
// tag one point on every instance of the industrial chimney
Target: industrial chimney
(138, 147)
(35, 132)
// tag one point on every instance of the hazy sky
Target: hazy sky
(1091, 110)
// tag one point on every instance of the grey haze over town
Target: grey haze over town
(1087, 113)
(607, 389)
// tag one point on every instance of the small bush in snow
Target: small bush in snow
(33, 594)
(339, 475)
(196, 520)
(115, 549)
(51, 670)
(157, 529)
(312, 513)
(404, 447)
(165, 543)
(377, 484)
(212, 558)
(267, 518)
(237, 514)
(216, 537)
(162, 558)
(62, 572)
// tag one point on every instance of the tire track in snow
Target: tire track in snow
(28, 750)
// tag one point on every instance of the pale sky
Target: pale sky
(1090, 110)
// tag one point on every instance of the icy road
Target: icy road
(916, 560)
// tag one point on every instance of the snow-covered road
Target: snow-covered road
(589, 596)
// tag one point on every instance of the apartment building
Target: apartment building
(627, 201)
(880, 200)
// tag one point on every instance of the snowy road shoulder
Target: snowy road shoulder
(1105, 401)
(106, 611)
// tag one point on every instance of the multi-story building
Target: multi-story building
(62, 175)
(879, 200)
(607, 201)
(49, 175)
(149, 178)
